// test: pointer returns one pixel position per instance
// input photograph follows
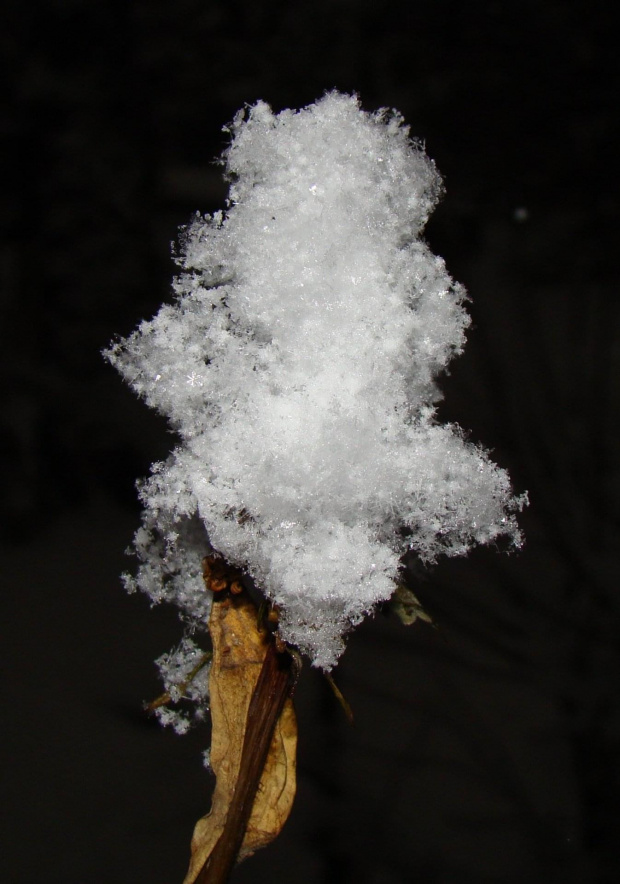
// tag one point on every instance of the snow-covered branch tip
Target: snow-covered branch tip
(298, 365)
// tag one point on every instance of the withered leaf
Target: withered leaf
(407, 606)
(240, 655)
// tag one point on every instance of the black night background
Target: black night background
(485, 750)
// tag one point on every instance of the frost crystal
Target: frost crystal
(184, 678)
(298, 366)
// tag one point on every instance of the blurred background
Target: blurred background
(485, 748)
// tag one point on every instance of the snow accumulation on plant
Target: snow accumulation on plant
(298, 366)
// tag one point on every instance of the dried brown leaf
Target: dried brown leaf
(407, 606)
(240, 650)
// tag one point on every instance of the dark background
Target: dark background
(485, 750)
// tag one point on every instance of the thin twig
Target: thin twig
(166, 697)
(346, 706)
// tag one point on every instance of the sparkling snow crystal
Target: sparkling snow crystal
(185, 677)
(297, 365)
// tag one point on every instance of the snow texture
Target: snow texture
(298, 365)
(181, 680)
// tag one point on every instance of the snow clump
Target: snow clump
(298, 366)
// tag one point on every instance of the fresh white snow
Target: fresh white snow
(298, 366)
